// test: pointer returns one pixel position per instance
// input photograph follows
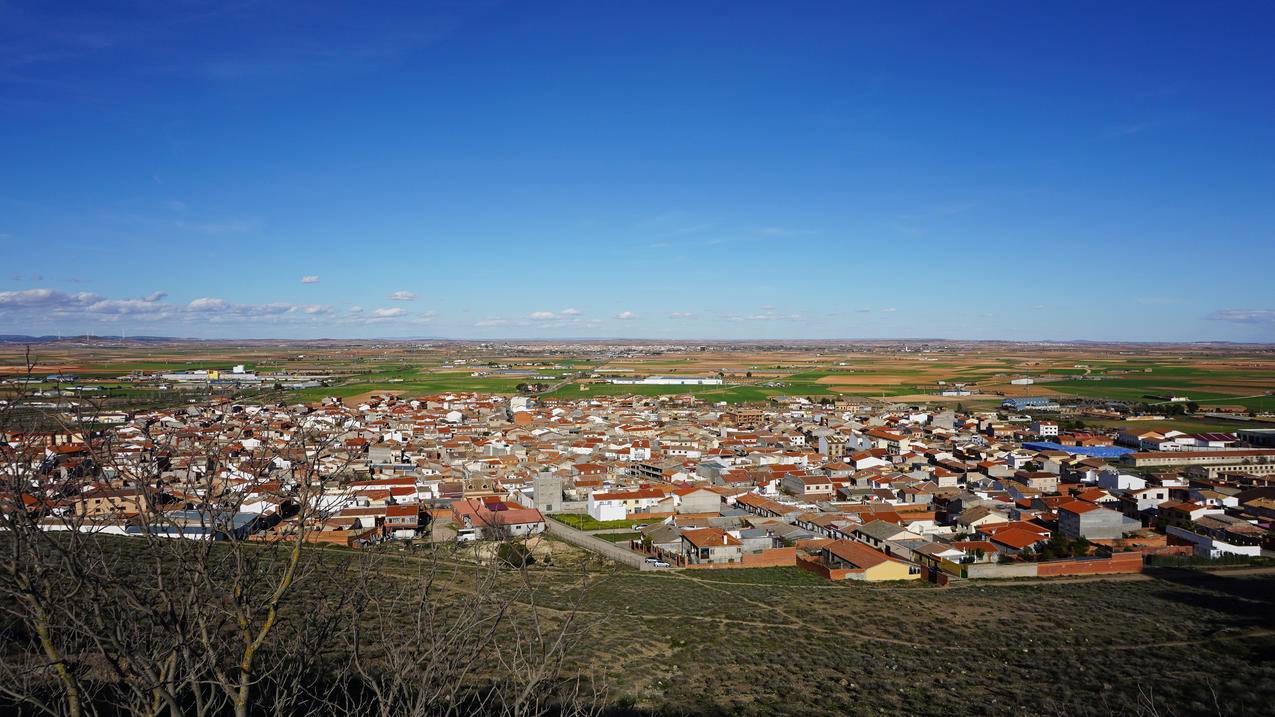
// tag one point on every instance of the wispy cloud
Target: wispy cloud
(1244, 316)
(766, 314)
(774, 232)
(403, 296)
(626, 316)
(215, 228)
(569, 315)
(1127, 130)
(207, 227)
(310, 279)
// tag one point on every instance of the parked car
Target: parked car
(468, 535)
(661, 564)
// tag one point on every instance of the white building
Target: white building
(670, 381)
(1045, 429)
(617, 506)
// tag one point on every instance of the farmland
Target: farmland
(1210, 376)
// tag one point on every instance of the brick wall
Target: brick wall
(771, 558)
(814, 566)
(1117, 563)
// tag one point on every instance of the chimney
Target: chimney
(723, 538)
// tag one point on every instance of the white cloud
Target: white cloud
(484, 323)
(542, 315)
(389, 313)
(206, 304)
(126, 307)
(1244, 316)
(403, 296)
(570, 312)
(889, 310)
(44, 297)
(310, 279)
(681, 315)
(39, 305)
(626, 315)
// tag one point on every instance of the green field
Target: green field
(1138, 390)
(1206, 376)
(1188, 425)
(416, 384)
(727, 393)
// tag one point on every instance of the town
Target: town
(844, 489)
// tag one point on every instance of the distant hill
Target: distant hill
(25, 339)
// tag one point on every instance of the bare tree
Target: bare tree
(139, 584)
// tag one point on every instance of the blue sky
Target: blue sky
(639, 169)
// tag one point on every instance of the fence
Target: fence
(1195, 561)
(597, 545)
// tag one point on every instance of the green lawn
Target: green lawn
(618, 537)
(581, 521)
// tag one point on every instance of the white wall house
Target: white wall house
(1115, 480)
(1208, 547)
(616, 506)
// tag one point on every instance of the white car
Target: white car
(468, 535)
(661, 564)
